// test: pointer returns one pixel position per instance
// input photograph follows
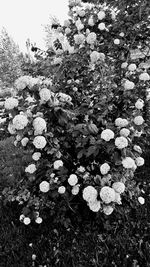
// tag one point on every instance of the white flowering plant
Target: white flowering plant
(82, 128)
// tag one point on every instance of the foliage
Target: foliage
(10, 59)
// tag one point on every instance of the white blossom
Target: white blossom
(104, 168)
(26, 220)
(141, 200)
(101, 15)
(144, 76)
(38, 220)
(138, 120)
(94, 206)
(107, 135)
(101, 26)
(45, 94)
(91, 38)
(121, 142)
(79, 38)
(39, 142)
(119, 187)
(107, 194)
(139, 161)
(24, 141)
(39, 125)
(11, 103)
(57, 164)
(108, 209)
(89, 193)
(73, 179)
(61, 189)
(75, 189)
(117, 41)
(36, 156)
(119, 122)
(132, 67)
(44, 187)
(128, 163)
(139, 104)
(128, 85)
(31, 168)
(124, 132)
(20, 122)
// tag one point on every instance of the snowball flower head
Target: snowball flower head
(101, 15)
(11, 103)
(94, 206)
(128, 85)
(91, 22)
(124, 65)
(89, 193)
(67, 31)
(38, 220)
(124, 132)
(45, 94)
(57, 164)
(96, 56)
(31, 168)
(20, 122)
(119, 122)
(26, 220)
(139, 161)
(132, 67)
(121, 142)
(141, 200)
(24, 141)
(139, 104)
(79, 38)
(138, 120)
(72, 180)
(107, 194)
(44, 187)
(61, 189)
(101, 26)
(119, 187)
(11, 128)
(39, 125)
(117, 41)
(104, 168)
(75, 189)
(79, 25)
(144, 76)
(91, 38)
(107, 135)
(36, 156)
(39, 142)
(128, 163)
(108, 210)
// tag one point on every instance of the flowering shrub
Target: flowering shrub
(82, 128)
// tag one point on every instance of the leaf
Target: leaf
(91, 150)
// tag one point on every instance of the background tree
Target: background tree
(10, 59)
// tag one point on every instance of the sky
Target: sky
(23, 19)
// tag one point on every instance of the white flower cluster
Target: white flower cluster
(138, 120)
(39, 142)
(91, 38)
(129, 163)
(36, 156)
(73, 179)
(124, 132)
(90, 195)
(79, 38)
(121, 142)
(11, 103)
(20, 122)
(104, 168)
(107, 135)
(128, 85)
(57, 164)
(31, 168)
(24, 141)
(119, 122)
(25, 81)
(144, 77)
(39, 125)
(107, 194)
(44, 186)
(95, 56)
(45, 94)
(139, 104)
